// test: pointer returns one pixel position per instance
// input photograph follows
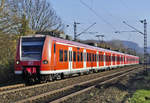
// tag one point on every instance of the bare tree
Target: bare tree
(2, 5)
(38, 15)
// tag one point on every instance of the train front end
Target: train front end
(29, 57)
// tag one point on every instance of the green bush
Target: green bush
(7, 57)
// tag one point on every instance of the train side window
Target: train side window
(106, 58)
(65, 55)
(87, 56)
(113, 58)
(61, 55)
(81, 56)
(54, 48)
(74, 56)
(90, 57)
(78, 56)
(101, 57)
(93, 57)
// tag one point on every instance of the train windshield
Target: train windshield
(32, 48)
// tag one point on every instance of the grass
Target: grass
(140, 96)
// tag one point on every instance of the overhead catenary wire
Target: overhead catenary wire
(99, 16)
(127, 7)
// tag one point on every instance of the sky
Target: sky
(108, 16)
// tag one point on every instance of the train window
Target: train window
(87, 56)
(107, 58)
(101, 57)
(93, 57)
(65, 55)
(74, 56)
(90, 57)
(54, 48)
(113, 58)
(78, 56)
(81, 56)
(61, 55)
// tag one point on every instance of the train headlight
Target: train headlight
(45, 62)
(17, 62)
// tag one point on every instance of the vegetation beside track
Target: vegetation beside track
(133, 88)
(142, 89)
(7, 55)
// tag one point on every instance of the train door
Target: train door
(104, 59)
(97, 60)
(84, 53)
(70, 58)
(111, 59)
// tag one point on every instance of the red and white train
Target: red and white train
(45, 58)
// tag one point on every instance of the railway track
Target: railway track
(88, 88)
(10, 87)
(65, 93)
(50, 90)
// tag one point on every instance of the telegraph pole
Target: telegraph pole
(75, 30)
(145, 45)
(145, 40)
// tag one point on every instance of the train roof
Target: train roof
(87, 46)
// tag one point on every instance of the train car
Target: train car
(45, 58)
